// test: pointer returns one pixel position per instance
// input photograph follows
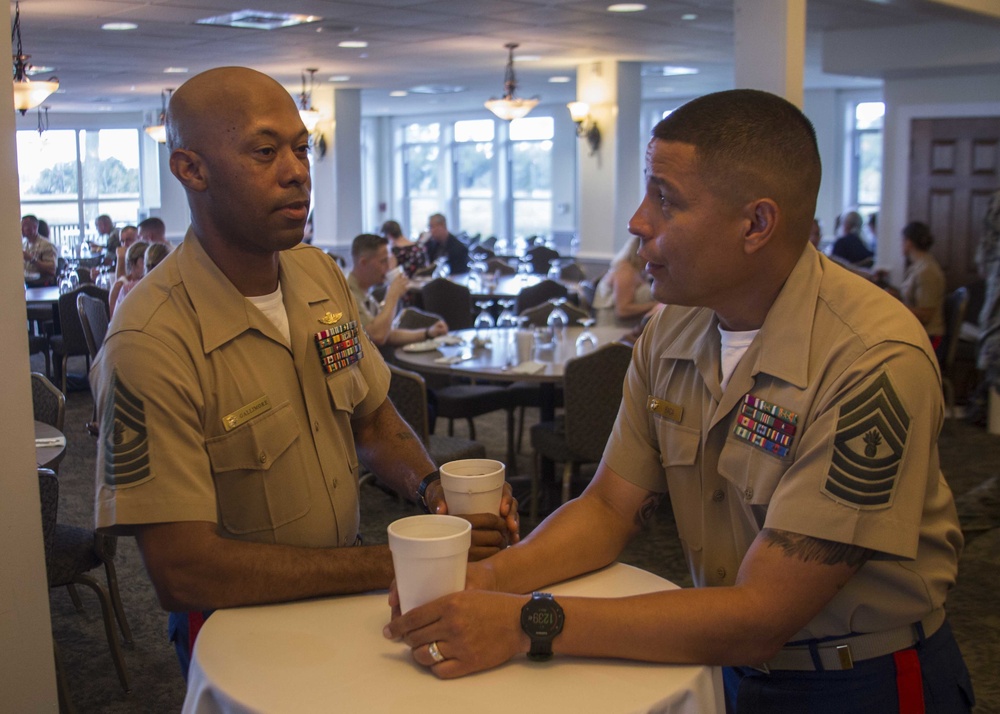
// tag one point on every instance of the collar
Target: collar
(223, 311)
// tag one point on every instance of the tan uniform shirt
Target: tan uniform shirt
(368, 307)
(924, 286)
(842, 445)
(208, 415)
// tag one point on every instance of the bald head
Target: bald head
(214, 102)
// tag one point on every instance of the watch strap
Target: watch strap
(422, 489)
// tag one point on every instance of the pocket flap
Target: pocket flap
(255, 445)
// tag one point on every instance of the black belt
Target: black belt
(842, 653)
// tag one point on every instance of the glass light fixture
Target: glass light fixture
(158, 132)
(586, 127)
(310, 116)
(27, 94)
(510, 107)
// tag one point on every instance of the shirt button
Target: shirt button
(748, 494)
(721, 572)
(316, 425)
(262, 457)
(335, 482)
(718, 495)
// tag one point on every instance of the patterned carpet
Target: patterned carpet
(971, 459)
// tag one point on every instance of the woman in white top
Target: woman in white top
(134, 270)
(624, 294)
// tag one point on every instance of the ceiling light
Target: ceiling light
(667, 71)
(119, 26)
(27, 94)
(33, 69)
(398, 93)
(259, 20)
(352, 44)
(176, 70)
(437, 89)
(158, 132)
(689, 16)
(627, 7)
(510, 107)
(560, 79)
(339, 78)
(528, 58)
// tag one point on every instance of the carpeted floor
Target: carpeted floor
(972, 464)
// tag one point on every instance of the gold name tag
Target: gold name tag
(244, 414)
(665, 409)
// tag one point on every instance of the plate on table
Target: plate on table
(423, 346)
(31, 277)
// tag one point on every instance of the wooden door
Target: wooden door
(954, 167)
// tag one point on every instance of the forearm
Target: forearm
(388, 446)
(400, 336)
(379, 327)
(193, 568)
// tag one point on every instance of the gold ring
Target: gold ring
(435, 653)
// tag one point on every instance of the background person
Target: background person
(849, 248)
(802, 468)
(135, 268)
(405, 252)
(440, 242)
(370, 254)
(40, 255)
(623, 296)
(231, 435)
(155, 254)
(923, 287)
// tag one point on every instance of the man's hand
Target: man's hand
(474, 630)
(437, 329)
(491, 533)
(397, 288)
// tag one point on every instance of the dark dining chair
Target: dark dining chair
(72, 342)
(572, 273)
(71, 553)
(540, 257)
(955, 305)
(539, 314)
(408, 393)
(499, 265)
(94, 318)
(592, 392)
(539, 293)
(48, 402)
(453, 302)
(39, 344)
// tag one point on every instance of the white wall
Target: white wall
(27, 671)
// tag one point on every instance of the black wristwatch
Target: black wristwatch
(422, 490)
(541, 619)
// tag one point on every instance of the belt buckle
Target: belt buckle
(844, 655)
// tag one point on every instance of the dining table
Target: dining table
(49, 294)
(498, 287)
(50, 445)
(328, 654)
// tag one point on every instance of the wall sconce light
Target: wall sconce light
(310, 117)
(158, 132)
(586, 127)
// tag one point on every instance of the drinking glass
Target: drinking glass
(558, 318)
(484, 321)
(507, 318)
(587, 341)
(65, 282)
(524, 268)
(555, 269)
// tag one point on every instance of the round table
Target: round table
(50, 445)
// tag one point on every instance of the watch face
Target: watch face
(542, 618)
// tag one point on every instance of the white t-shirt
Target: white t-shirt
(273, 307)
(734, 346)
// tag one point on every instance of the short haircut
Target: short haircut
(751, 144)
(919, 234)
(853, 222)
(392, 229)
(154, 254)
(438, 218)
(134, 254)
(30, 217)
(153, 225)
(366, 244)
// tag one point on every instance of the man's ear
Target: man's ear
(189, 169)
(762, 215)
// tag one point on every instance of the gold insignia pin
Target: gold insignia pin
(665, 409)
(331, 318)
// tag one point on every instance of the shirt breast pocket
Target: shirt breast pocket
(679, 448)
(752, 473)
(258, 477)
(347, 389)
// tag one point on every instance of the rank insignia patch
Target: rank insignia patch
(766, 426)
(123, 430)
(868, 447)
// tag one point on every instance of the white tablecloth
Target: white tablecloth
(329, 655)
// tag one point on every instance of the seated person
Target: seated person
(441, 243)
(407, 254)
(370, 254)
(849, 248)
(155, 253)
(40, 255)
(134, 270)
(623, 295)
(923, 287)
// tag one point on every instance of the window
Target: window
(866, 156)
(68, 177)
(474, 175)
(421, 187)
(531, 176)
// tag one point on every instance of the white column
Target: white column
(27, 670)
(610, 178)
(337, 210)
(769, 46)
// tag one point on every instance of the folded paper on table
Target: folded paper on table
(453, 359)
(529, 367)
(51, 441)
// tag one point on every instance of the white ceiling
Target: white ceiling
(416, 42)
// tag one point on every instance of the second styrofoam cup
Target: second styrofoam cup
(473, 485)
(429, 557)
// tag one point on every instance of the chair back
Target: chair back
(453, 302)
(592, 393)
(74, 342)
(538, 315)
(408, 393)
(540, 257)
(537, 294)
(572, 273)
(48, 402)
(411, 318)
(499, 265)
(48, 493)
(94, 319)
(955, 306)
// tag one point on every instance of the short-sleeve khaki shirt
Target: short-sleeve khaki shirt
(827, 428)
(208, 414)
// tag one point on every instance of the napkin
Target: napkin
(529, 367)
(448, 340)
(50, 441)
(453, 359)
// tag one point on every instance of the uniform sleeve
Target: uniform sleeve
(152, 463)
(868, 464)
(632, 451)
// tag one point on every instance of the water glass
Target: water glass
(587, 341)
